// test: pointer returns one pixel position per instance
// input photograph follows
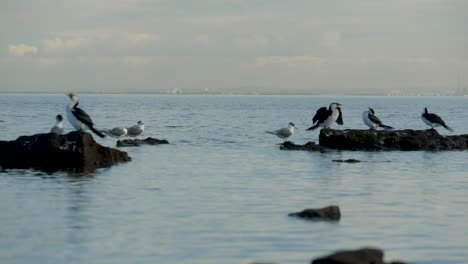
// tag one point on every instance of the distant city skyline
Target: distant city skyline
(414, 47)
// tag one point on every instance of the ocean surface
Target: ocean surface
(221, 191)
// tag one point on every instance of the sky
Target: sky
(294, 46)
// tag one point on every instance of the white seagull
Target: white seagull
(326, 117)
(285, 132)
(78, 118)
(372, 121)
(58, 128)
(136, 130)
(433, 120)
(116, 132)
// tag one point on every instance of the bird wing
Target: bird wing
(81, 115)
(434, 118)
(374, 119)
(133, 130)
(321, 114)
(339, 120)
(284, 132)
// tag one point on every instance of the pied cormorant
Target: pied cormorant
(433, 120)
(326, 117)
(78, 118)
(372, 121)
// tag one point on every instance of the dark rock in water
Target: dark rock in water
(327, 213)
(348, 161)
(138, 142)
(74, 151)
(391, 140)
(358, 256)
(309, 146)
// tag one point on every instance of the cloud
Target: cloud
(21, 49)
(61, 45)
(290, 61)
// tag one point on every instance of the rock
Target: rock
(309, 146)
(330, 213)
(74, 151)
(358, 256)
(138, 142)
(391, 140)
(347, 161)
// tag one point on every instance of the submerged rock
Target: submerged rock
(331, 213)
(309, 146)
(347, 161)
(138, 142)
(74, 151)
(358, 256)
(391, 140)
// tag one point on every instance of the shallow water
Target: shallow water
(221, 191)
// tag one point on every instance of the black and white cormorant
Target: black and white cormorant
(433, 120)
(285, 132)
(116, 132)
(372, 121)
(326, 117)
(58, 128)
(136, 130)
(78, 118)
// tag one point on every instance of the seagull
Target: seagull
(57, 128)
(433, 120)
(78, 118)
(136, 130)
(116, 132)
(284, 132)
(326, 117)
(372, 121)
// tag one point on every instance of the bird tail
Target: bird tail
(386, 127)
(97, 132)
(448, 128)
(270, 132)
(313, 127)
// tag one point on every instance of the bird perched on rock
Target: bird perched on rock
(58, 128)
(116, 132)
(136, 130)
(326, 117)
(372, 121)
(285, 132)
(433, 120)
(78, 118)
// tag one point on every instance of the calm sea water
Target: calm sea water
(221, 191)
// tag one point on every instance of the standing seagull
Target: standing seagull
(58, 128)
(433, 120)
(78, 118)
(285, 132)
(116, 132)
(136, 130)
(372, 121)
(326, 117)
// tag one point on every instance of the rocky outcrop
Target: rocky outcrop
(358, 256)
(74, 151)
(309, 146)
(391, 140)
(330, 213)
(138, 142)
(347, 161)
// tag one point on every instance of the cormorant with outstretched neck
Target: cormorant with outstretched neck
(78, 118)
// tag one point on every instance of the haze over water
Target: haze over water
(221, 191)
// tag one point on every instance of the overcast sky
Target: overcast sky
(332, 46)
